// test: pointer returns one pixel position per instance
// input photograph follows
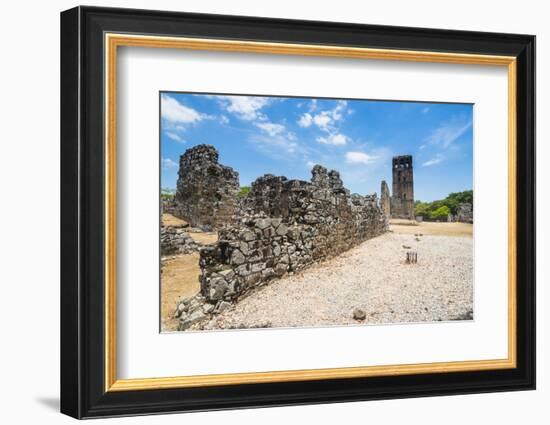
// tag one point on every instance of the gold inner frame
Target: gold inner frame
(113, 41)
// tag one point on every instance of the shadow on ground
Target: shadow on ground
(49, 402)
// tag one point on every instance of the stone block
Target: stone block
(257, 267)
(262, 223)
(195, 317)
(237, 258)
(282, 229)
(267, 273)
(280, 269)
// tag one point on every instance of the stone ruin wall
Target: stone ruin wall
(385, 199)
(206, 192)
(168, 205)
(176, 240)
(286, 226)
(464, 213)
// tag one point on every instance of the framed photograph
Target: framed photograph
(261, 212)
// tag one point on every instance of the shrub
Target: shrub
(244, 191)
(167, 193)
(440, 213)
(427, 210)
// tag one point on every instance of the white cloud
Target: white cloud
(305, 120)
(245, 107)
(277, 147)
(175, 137)
(326, 120)
(168, 163)
(310, 164)
(359, 158)
(175, 112)
(446, 134)
(224, 119)
(333, 139)
(322, 120)
(339, 110)
(271, 128)
(436, 160)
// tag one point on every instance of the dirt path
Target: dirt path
(204, 238)
(372, 277)
(180, 273)
(179, 278)
(170, 220)
(431, 228)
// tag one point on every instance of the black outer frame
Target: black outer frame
(82, 206)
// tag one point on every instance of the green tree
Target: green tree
(453, 199)
(440, 213)
(167, 193)
(421, 209)
(433, 210)
(244, 191)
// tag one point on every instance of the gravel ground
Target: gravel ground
(372, 277)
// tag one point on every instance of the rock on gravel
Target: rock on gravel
(359, 314)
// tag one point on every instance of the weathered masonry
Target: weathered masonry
(284, 226)
(385, 199)
(464, 213)
(206, 193)
(402, 200)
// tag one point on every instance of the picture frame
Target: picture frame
(90, 40)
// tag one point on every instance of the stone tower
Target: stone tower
(402, 202)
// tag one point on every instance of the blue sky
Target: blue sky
(286, 136)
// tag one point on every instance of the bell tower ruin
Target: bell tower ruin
(402, 200)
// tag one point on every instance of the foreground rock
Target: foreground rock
(359, 314)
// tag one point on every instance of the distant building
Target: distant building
(402, 199)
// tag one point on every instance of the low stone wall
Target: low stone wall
(175, 240)
(168, 205)
(287, 226)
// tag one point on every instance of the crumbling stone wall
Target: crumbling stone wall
(385, 199)
(175, 240)
(288, 225)
(206, 194)
(464, 213)
(168, 205)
